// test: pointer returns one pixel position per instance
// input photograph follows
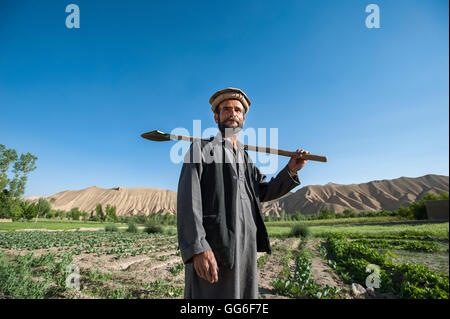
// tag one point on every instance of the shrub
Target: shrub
(300, 230)
(141, 219)
(152, 228)
(111, 228)
(132, 228)
(349, 213)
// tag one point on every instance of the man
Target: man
(219, 220)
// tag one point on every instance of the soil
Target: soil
(323, 274)
(148, 268)
(271, 268)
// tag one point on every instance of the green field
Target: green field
(338, 221)
(440, 230)
(53, 225)
(414, 259)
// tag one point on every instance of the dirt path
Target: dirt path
(323, 274)
(272, 266)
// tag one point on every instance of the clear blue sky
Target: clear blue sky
(374, 101)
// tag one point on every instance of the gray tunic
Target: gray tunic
(242, 280)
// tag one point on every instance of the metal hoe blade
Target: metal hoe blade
(157, 136)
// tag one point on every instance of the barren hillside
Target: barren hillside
(128, 201)
(372, 196)
(375, 195)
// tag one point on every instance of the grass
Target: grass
(438, 262)
(337, 221)
(47, 224)
(53, 225)
(30, 277)
(440, 230)
(427, 230)
(108, 286)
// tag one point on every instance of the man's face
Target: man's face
(231, 117)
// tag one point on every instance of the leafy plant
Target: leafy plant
(175, 270)
(404, 280)
(301, 283)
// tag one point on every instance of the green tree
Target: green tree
(92, 217)
(43, 208)
(29, 210)
(84, 215)
(5, 204)
(99, 212)
(111, 213)
(16, 212)
(22, 166)
(326, 214)
(7, 157)
(75, 213)
(349, 213)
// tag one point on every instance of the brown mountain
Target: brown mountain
(128, 201)
(375, 195)
(371, 196)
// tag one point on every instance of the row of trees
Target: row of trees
(18, 209)
(155, 219)
(97, 215)
(326, 214)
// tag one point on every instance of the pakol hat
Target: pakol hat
(229, 94)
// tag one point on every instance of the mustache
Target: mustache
(232, 119)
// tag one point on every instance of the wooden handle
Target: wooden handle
(275, 151)
(161, 136)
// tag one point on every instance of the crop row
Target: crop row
(301, 282)
(407, 280)
(426, 246)
(89, 242)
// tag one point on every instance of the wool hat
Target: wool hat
(229, 94)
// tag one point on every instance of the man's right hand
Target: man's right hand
(206, 266)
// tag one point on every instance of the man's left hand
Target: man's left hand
(296, 163)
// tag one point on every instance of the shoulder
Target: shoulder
(197, 149)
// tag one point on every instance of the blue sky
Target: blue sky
(374, 101)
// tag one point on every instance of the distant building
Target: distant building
(437, 209)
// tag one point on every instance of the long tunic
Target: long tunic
(242, 280)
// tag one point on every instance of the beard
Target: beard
(227, 129)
